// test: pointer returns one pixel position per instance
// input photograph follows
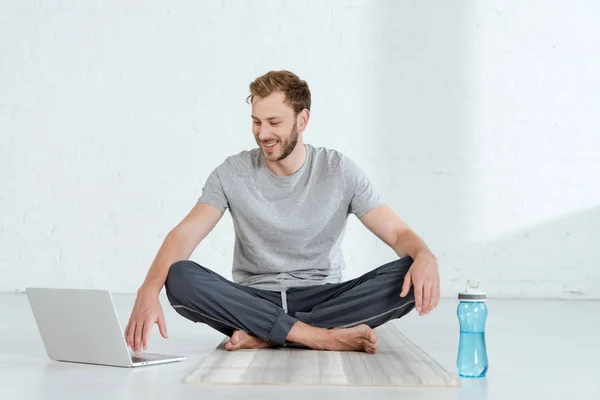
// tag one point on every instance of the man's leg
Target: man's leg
(372, 299)
(202, 295)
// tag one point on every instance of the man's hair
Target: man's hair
(296, 91)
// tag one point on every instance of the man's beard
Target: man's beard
(288, 145)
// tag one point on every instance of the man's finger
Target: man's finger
(418, 296)
(431, 298)
(127, 332)
(405, 285)
(426, 297)
(146, 333)
(162, 326)
(436, 296)
(138, 337)
(432, 293)
(130, 333)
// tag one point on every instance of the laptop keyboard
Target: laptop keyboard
(136, 359)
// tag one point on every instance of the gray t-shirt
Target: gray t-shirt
(289, 229)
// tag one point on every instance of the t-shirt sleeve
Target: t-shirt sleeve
(213, 192)
(359, 188)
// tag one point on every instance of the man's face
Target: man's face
(274, 126)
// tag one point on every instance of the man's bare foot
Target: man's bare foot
(357, 338)
(241, 340)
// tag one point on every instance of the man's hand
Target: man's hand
(146, 312)
(424, 276)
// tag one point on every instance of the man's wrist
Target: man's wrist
(148, 290)
(425, 254)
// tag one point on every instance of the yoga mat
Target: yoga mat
(398, 362)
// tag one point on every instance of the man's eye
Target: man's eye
(256, 123)
(275, 123)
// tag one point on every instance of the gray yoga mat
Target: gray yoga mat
(398, 362)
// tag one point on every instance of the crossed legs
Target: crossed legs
(328, 317)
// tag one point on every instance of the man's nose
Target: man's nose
(263, 132)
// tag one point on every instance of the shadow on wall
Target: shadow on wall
(549, 260)
(425, 152)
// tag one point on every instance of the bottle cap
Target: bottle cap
(472, 293)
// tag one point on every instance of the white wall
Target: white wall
(478, 123)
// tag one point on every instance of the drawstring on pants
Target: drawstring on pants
(284, 301)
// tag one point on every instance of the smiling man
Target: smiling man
(289, 202)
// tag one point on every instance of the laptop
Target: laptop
(81, 325)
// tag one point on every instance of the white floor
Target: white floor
(537, 350)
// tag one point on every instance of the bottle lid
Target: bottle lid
(472, 292)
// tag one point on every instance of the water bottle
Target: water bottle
(472, 361)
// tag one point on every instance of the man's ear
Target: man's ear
(302, 119)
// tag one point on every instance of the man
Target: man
(289, 203)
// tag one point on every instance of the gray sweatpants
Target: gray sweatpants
(202, 295)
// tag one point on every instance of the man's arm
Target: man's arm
(178, 245)
(423, 274)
